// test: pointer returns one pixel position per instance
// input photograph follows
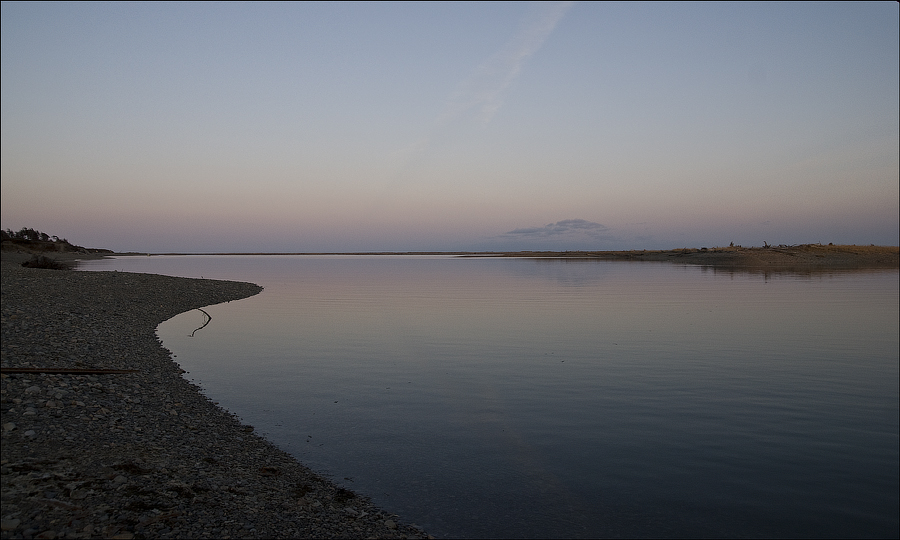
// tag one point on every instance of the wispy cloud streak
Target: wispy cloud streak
(482, 92)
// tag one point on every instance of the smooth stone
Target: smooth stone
(9, 524)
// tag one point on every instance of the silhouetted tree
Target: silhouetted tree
(30, 235)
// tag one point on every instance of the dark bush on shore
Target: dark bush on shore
(34, 241)
(40, 261)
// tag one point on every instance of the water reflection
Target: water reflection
(485, 397)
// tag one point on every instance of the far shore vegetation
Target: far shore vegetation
(50, 251)
(42, 246)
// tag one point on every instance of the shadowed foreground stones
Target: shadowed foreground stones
(143, 454)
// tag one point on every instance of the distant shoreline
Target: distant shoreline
(816, 256)
(799, 256)
(803, 256)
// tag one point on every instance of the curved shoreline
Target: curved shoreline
(140, 454)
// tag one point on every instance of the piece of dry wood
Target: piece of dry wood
(68, 371)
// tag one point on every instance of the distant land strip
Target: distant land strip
(803, 255)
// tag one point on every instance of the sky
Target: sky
(342, 127)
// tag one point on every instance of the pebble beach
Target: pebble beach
(102, 437)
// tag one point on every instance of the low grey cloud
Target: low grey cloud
(564, 227)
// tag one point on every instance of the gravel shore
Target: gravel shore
(140, 454)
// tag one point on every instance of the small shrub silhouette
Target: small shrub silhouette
(40, 261)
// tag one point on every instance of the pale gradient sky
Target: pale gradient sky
(486, 126)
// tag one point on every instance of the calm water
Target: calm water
(546, 398)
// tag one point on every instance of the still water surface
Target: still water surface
(553, 398)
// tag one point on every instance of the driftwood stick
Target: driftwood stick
(208, 318)
(68, 371)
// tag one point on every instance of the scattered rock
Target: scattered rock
(9, 524)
